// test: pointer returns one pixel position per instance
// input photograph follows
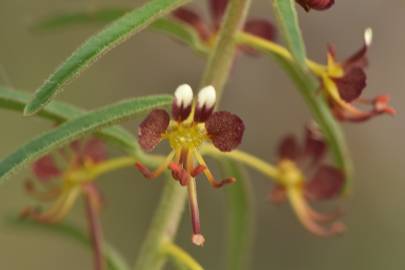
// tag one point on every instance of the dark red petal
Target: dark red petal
(288, 148)
(315, 4)
(225, 130)
(45, 168)
(261, 28)
(357, 60)
(351, 84)
(190, 17)
(217, 10)
(152, 128)
(326, 183)
(315, 145)
(95, 149)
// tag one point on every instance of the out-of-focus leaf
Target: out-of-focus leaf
(97, 45)
(171, 27)
(240, 216)
(114, 259)
(288, 24)
(78, 127)
(59, 111)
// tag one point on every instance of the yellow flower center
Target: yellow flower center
(290, 174)
(186, 135)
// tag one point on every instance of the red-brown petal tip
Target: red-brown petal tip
(193, 19)
(217, 10)
(151, 129)
(327, 183)
(45, 168)
(288, 148)
(351, 84)
(315, 145)
(95, 149)
(225, 130)
(315, 4)
(262, 28)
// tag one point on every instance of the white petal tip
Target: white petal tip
(207, 96)
(184, 95)
(368, 36)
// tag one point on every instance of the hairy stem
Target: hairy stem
(221, 58)
(164, 226)
(95, 231)
(168, 214)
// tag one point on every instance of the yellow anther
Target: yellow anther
(186, 136)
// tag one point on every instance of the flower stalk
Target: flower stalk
(173, 200)
(222, 56)
(95, 230)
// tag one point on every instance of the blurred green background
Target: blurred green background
(260, 92)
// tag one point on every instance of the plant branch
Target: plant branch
(168, 213)
(221, 58)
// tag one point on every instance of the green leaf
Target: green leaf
(288, 23)
(173, 28)
(78, 127)
(308, 85)
(60, 112)
(114, 259)
(97, 45)
(240, 216)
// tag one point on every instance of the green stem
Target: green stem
(169, 211)
(181, 256)
(221, 58)
(163, 228)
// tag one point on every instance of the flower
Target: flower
(192, 125)
(320, 182)
(315, 4)
(208, 32)
(64, 175)
(344, 83)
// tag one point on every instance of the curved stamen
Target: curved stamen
(152, 175)
(58, 210)
(211, 179)
(43, 196)
(302, 210)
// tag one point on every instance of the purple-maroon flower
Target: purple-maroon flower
(315, 4)
(192, 125)
(344, 83)
(62, 177)
(208, 31)
(304, 177)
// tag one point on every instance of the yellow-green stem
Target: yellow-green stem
(268, 46)
(181, 256)
(222, 57)
(247, 159)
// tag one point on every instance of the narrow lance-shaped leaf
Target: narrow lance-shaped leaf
(79, 127)
(60, 112)
(288, 22)
(240, 216)
(97, 45)
(171, 27)
(114, 259)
